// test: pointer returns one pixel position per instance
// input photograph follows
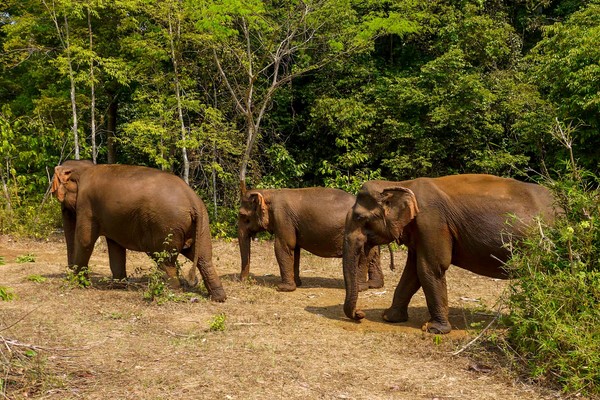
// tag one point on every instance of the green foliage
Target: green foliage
(25, 258)
(78, 277)
(6, 293)
(218, 323)
(36, 278)
(2, 262)
(157, 290)
(569, 54)
(554, 313)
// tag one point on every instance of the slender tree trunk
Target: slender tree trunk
(93, 91)
(111, 128)
(73, 99)
(186, 162)
(214, 179)
(5, 190)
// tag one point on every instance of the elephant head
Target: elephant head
(380, 215)
(253, 218)
(66, 181)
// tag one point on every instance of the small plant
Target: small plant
(78, 277)
(2, 262)
(6, 294)
(217, 323)
(25, 258)
(36, 278)
(157, 289)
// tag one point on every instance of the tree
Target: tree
(258, 48)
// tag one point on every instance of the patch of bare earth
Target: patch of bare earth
(110, 343)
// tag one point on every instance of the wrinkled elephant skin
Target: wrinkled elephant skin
(310, 218)
(135, 208)
(462, 220)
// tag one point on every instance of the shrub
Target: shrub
(6, 293)
(218, 323)
(555, 302)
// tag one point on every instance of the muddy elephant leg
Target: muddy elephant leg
(433, 277)
(362, 273)
(433, 258)
(169, 267)
(69, 224)
(407, 287)
(116, 259)
(202, 252)
(285, 258)
(375, 274)
(297, 279)
(86, 234)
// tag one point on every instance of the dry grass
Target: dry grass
(109, 343)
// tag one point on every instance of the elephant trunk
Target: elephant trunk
(244, 239)
(353, 251)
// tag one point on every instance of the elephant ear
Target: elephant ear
(262, 210)
(400, 207)
(63, 186)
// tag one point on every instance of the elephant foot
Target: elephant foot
(375, 283)
(218, 295)
(173, 282)
(436, 327)
(395, 315)
(362, 286)
(286, 287)
(298, 282)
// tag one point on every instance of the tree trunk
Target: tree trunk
(186, 161)
(73, 99)
(93, 91)
(111, 128)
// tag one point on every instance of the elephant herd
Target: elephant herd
(463, 220)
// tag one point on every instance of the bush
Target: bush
(555, 302)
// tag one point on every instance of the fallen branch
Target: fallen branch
(15, 343)
(478, 336)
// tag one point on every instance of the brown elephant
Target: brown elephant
(463, 220)
(136, 208)
(310, 218)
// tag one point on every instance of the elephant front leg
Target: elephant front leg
(374, 274)
(69, 226)
(117, 259)
(407, 287)
(285, 258)
(86, 234)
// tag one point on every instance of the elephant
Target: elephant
(136, 208)
(308, 218)
(464, 220)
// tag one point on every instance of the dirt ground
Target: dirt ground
(110, 343)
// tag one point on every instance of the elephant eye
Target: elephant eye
(360, 217)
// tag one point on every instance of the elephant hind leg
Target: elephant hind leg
(117, 259)
(297, 279)
(171, 273)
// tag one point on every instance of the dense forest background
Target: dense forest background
(294, 93)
